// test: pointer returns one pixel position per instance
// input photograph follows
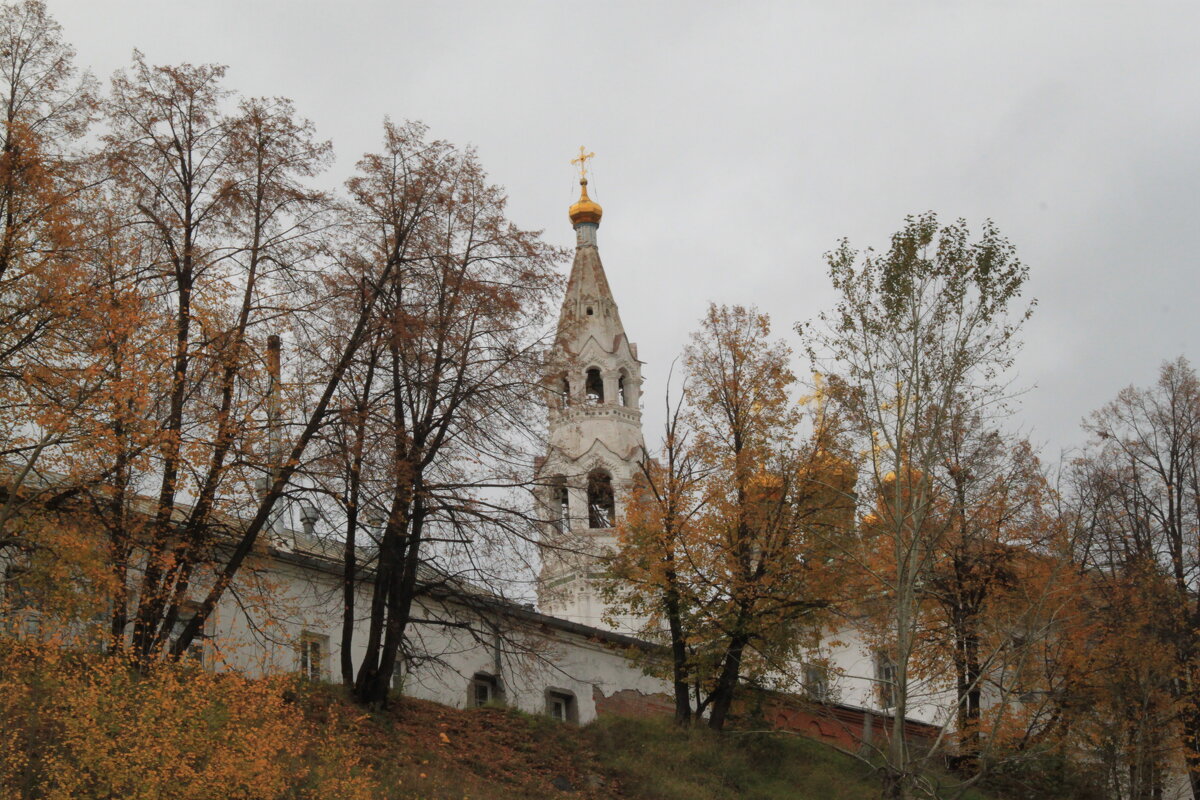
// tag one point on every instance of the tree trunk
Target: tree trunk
(679, 665)
(727, 682)
(365, 689)
(971, 742)
(349, 567)
(1191, 739)
(401, 607)
(892, 781)
(353, 512)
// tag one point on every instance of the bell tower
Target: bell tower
(593, 385)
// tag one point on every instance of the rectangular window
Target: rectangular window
(561, 705)
(16, 590)
(816, 682)
(313, 650)
(886, 676)
(483, 689)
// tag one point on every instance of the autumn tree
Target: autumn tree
(990, 584)
(463, 297)
(47, 108)
(650, 569)
(921, 336)
(224, 288)
(213, 218)
(1095, 711)
(1129, 719)
(220, 260)
(721, 536)
(1054, 675)
(1138, 487)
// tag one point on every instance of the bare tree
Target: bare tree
(221, 223)
(1139, 491)
(463, 298)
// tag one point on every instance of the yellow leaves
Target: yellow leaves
(86, 726)
(444, 738)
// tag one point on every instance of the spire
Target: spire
(589, 310)
(593, 383)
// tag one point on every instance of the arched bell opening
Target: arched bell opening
(560, 504)
(593, 386)
(601, 502)
(564, 392)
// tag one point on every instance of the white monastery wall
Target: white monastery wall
(259, 627)
(856, 680)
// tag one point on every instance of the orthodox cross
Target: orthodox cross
(819, 393)
(819, 396)
(582, 160)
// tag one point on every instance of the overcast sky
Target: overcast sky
(736, 143)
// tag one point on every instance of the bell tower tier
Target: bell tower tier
(593, 383)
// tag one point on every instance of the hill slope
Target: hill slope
(424, 750)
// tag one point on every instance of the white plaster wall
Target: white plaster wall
(260, 637)
(853, 665)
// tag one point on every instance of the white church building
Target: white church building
(568, 658)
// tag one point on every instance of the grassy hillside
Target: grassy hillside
(86, 727)
(423, 750)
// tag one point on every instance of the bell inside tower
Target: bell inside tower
(601, 503)
(594, 386)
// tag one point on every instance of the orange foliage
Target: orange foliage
(728, 540)
(85, 726)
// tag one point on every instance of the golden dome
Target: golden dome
(585, 210)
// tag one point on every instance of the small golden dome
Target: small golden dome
(585, 210)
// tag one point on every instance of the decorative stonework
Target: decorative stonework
(595, 426)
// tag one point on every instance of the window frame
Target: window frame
(490, 683)
(886, 687)
(310, 671)
(195, 652)
(567, 700)
(816, 683)
(593, 391)
(22, 618)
